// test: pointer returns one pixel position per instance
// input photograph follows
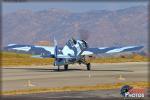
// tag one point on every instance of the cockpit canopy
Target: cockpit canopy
(72, 42)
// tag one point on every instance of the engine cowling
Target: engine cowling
(84, 44)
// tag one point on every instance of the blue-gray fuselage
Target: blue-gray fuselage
(72, 51)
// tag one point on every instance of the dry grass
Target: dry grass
(14, 59)
(129, 58)
(78, 88)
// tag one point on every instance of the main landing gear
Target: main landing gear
(88, 65)
(65, 67)
(58, 68)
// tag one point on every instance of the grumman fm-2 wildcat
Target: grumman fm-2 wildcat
(74, 51)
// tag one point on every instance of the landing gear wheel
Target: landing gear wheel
(88, 66)
(66, 67)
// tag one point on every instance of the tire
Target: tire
(58, 69)
(65, 67)
(88, 66)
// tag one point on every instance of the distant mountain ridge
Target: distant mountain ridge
(98, 27)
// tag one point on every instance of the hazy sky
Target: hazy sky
(72, 6)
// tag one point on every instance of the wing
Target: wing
(39, 51)
(109, 50)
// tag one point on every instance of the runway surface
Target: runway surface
(14, 78)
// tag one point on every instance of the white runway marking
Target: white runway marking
(121, 78)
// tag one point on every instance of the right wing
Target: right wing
(110, 50)
(38, 51)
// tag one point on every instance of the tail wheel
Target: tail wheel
(88, 66)
(66, 67)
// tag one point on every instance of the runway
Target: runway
(14, 78)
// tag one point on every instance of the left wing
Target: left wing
(109, 50)
(41, 51)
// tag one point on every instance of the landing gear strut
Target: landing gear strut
(66, 67)
(88, 66)
(58, 69)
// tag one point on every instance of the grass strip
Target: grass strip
(78, 88)
(15, 59)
